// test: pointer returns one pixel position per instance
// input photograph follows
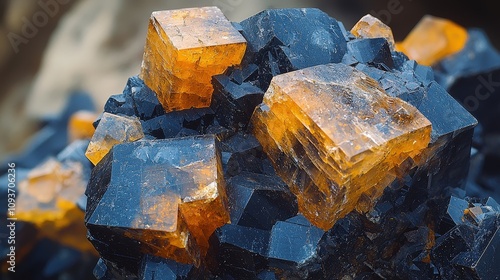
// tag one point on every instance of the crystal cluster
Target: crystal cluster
(300, 150)
(339, 154)
(472, 76)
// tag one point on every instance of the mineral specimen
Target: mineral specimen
(335, 136)
(355, 153)
(112, 130)
(184, 49)
(432, 40)
(165, 196)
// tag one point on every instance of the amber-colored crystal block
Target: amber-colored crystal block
(48, 199)
(371, 27)
(336, 138)
(112, 130)
(81, 125)
(169, 194)
(433, 39)
(184, 49)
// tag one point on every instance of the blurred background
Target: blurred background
(51, 48)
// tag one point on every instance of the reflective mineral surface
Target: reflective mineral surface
(165, 196)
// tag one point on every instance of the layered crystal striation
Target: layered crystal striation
(184, 49)
(335, 137)
(433, 39)
(169, 195)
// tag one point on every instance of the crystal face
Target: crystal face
(112, 130)
(432, 40)
(371, 27)
(168, 194)
(184, 49)
(334, 136)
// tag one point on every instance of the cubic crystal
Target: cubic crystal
(168, 194)
(335, 137)
(184, 49)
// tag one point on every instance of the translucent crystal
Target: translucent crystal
(80, 125)
(371, 27)
(168, 194)
(112, 130)
(48, 199)
(184, 49)
(335, 137)
(433, 39)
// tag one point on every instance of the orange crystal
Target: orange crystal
(371, 27)
(81, 125)
(112, 130)
(336, 138)
(184, 49)
(432, 39)
(48, 199)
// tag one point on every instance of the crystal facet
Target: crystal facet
(168, 194)
(112, 130)
(184, 49)
(371, 27)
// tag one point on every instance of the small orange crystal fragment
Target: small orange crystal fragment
(371, 27)
(48, 199)
(184, 49)
(80, 125)
(432, 39)
(336, 138)
(112, 130)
